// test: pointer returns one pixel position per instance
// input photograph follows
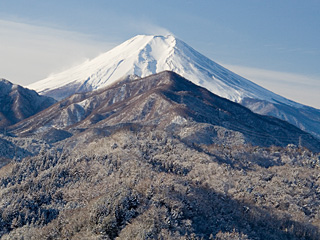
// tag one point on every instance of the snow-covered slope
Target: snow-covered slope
(144, 55)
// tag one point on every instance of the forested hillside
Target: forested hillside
(150, 185)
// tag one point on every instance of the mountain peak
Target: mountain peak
(6, 86)
(144, 55)
(5, 83)
(146, 37)
(18, 103)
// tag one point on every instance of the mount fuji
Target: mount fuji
(144, 55)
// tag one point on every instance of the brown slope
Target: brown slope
(166, 101)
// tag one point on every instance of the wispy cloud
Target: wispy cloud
(300, 88)
(29, 53)
(146, 27)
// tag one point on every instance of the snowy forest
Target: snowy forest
(150, 185)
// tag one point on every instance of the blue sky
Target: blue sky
(273, 43)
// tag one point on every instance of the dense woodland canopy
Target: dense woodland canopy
(150, 185)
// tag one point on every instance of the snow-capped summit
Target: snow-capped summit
(144, 55)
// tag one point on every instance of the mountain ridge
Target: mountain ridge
(167, 101)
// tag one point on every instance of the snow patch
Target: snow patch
(84, 103)
(179, 120)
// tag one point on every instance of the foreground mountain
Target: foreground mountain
(18, 103)
(143, 55)
(159, 158)
(162, 101)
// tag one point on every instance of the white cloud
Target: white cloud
(146, 27)
(30, 53)
(297, 87)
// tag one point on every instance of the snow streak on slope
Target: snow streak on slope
(144, 55)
